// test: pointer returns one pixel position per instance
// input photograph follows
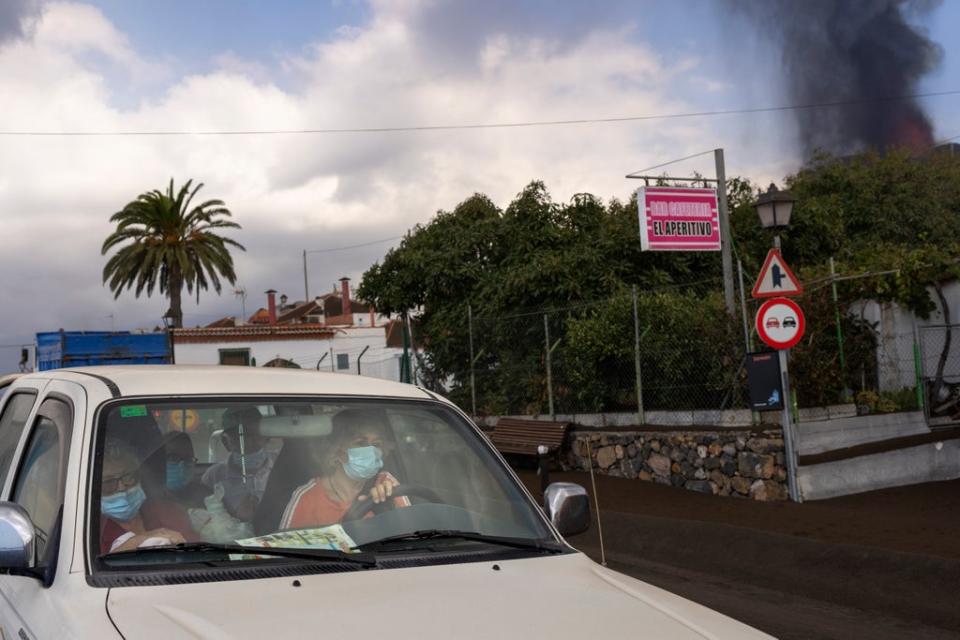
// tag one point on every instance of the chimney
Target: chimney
(345, 299)
(272, 305)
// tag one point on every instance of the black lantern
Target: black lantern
(774, 208)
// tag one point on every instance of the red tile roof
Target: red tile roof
(253, 333)
(223, 322)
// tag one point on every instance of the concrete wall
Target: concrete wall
(829, 435)
(692, 418)
(929, 462)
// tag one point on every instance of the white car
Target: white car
(235, 502)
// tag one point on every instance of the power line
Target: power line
(488, 125)
(664, 164)
(354, 246)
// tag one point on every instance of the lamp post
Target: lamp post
(775, 208)
(169, 323)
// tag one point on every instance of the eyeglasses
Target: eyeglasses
(113, 484)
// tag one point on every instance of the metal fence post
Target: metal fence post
(918, 367)
(836, 312)
(636, 356)
(747, 342)
(473, 379)
(547, 350)
(360, 356)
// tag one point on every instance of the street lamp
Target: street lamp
(169, 323)
(774, 209)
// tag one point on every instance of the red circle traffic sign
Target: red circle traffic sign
(780, 323)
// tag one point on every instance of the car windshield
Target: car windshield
(342, 476)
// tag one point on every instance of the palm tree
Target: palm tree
(171, 245)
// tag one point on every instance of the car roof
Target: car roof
(8, 378)
(154, 380)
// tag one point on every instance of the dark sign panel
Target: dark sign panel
(763, 377)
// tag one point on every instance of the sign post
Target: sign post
(780, 324)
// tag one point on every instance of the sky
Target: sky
(204, 65)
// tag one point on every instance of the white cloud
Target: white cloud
(292, 192)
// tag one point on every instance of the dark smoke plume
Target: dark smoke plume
(852, 50)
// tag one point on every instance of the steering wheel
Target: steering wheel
(360, 508)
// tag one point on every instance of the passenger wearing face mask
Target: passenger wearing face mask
(128, 518)
(352, 460)
(181, 481)
(245, 473)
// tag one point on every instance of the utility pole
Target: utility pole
(725, 239)
(306, 287)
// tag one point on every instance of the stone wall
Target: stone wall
(738, 463)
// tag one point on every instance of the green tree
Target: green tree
(508, 267)
(166, 243)
(891, 220)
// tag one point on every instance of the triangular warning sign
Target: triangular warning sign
(776, 279)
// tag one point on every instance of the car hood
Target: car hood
(566, 596)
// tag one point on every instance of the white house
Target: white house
(330, 333)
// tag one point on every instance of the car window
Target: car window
(39, 485)
(12, 421)
(291, 473)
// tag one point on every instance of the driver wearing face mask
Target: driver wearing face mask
(129, 518)
(352, 462)
(245, 473)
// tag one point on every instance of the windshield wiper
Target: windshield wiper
(452, 534)
(282, 552)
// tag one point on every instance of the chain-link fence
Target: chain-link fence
(938, 368)
(669, 355)
(637, 352)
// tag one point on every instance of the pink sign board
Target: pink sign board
(678, 219)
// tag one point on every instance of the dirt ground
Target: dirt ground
(921, 519)
(880, 565)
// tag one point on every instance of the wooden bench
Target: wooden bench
(514, 435)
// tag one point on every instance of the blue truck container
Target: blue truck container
(58, 349)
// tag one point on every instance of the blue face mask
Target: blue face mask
(123, 505)
(179, 475)
(253, 460)
(363, 462)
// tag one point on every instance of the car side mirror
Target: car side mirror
(18, 540)
(568, 507)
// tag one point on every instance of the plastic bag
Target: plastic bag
(215, 524)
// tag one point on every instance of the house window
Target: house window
(343, 361)
(239, 357)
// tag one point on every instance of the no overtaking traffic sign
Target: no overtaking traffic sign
(780, 323)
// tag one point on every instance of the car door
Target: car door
(36, 482)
